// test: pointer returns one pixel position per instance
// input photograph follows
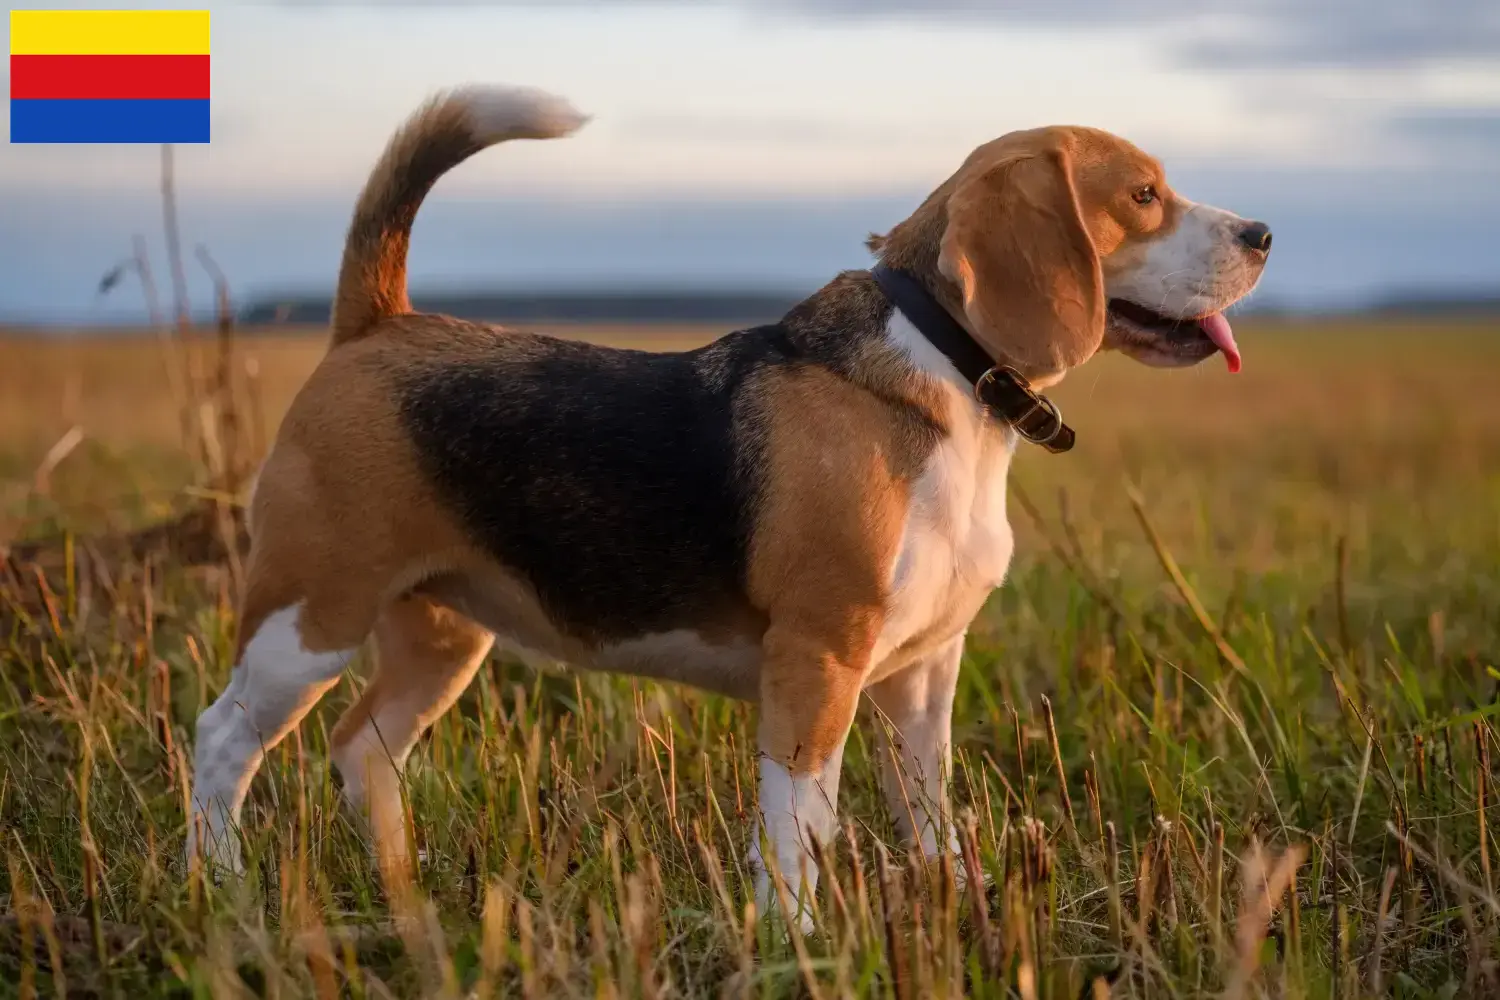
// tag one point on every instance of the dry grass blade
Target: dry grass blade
(1447, 871)
(1062, 775)
(1116, 907)
(1482, 801)
(979, 906)
(890, 914)
(494, 933)
(41, 479)
(1184, 589)
(1263, 882)
(1382, 911)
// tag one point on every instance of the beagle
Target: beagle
(795, 514)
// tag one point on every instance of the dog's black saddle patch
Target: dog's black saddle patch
(620, 484)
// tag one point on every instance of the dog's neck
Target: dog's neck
(914, 247)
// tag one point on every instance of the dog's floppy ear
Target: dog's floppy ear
(1017, 246)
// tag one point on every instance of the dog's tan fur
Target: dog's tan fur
(837, 479)
(1020, 245)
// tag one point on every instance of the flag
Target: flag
(109, 76)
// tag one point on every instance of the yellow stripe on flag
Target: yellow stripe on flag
(109, 32)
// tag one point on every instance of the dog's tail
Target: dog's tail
(444, 132)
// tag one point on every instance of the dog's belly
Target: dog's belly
(725, 661)
(681, 656)
(728, 666)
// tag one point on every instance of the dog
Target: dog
(795, 514)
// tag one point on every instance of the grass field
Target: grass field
(1264, 610)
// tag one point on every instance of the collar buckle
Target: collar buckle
(1035, 417)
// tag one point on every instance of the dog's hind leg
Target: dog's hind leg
(311, 598)
(280, 673)
(425, 657)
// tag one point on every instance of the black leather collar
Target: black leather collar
(1002, 389)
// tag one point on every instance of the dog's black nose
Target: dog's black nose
(1257, 236)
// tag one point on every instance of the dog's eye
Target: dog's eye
(1145, 195)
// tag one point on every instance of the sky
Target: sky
(753, 144)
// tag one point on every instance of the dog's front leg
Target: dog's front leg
(915, 721)
(826, 539)
(809, 693)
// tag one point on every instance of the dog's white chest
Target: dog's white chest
(956, 546)
(957, 543)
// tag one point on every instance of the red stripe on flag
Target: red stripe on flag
(109, 77)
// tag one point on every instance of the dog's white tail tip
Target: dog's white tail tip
(498, 113)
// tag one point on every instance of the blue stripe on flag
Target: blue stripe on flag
(109, 121)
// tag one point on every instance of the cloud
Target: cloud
(1234, 34)
(1370, 34)
(779, 129)
(1449, 133)
(1220, 34)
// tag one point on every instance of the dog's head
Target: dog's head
(1063, 241)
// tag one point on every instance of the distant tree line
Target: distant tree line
(554, 307)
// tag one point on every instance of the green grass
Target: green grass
(1262, 609)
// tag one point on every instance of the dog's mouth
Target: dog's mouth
(1185, 340)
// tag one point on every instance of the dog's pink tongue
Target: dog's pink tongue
(1217, 328)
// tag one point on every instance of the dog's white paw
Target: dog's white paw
(961, 878)
(220, 856)
(768, 899)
